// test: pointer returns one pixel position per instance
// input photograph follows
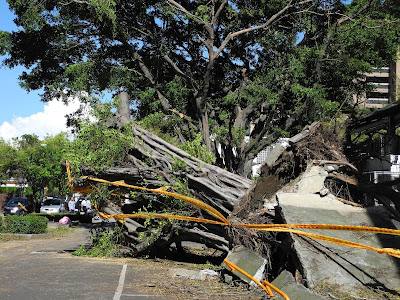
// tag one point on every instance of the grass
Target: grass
(10, 237)
(60, 231)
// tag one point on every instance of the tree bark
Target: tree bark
(152, 163)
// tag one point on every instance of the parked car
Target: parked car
(12, 207)
(52, 206)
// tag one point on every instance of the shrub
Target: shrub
(25, 224)
(1, 224)
(105, 244)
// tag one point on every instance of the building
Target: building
(387, 86)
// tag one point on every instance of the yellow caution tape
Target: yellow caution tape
(211, 210)
(84, 190)
(277, 227)
(266, 283)
(164, 216)
(69, 176)
(324, 227)
(264, 227)
(333, 240)
(23, 207)
(292, 228)
(235, 267)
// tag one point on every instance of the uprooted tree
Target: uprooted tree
(139, 157)
(145, 160)
(217, 68)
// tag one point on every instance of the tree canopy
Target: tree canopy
(38, 161)
(225, 69)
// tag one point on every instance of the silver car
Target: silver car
(52, 206)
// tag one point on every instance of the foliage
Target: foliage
(11, 190)
(7, 163)
(104, 244)
(25, 224)
(161, 125)
(197, 149)
(226, 69)
(38, 161)
(166, 205)
(178, 165)
(96, 143)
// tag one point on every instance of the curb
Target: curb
(30, 236)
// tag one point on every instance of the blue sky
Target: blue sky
(13, 99)
(22, 112)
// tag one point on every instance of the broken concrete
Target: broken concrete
(248, 261)
(205, 274)
(276, 152)
(312, 180)
(294, 290)
(323, 262)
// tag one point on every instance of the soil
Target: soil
(159, 282)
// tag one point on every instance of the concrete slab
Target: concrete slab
(294, 290)
(329, 263)
(312, 180)
(248, 261)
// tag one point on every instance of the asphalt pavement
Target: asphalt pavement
(45, 269)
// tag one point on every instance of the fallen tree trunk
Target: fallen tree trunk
(153, 163)
(208, 183)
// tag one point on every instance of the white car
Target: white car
(52, 206)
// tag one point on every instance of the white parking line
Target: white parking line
(120, 287)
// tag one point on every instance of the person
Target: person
(85, 204)
(71, 205)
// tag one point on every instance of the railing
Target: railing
(377, 100)
(381, 70)
(381, 176)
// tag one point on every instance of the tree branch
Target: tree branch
(184, 10)
(221, 7)
(250, 29)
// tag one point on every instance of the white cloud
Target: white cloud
(50, 121)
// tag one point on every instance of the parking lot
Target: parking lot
(45, 269)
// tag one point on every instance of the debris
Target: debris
(324, 192)
(205, 274)
(307, 175)
(64, 221)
